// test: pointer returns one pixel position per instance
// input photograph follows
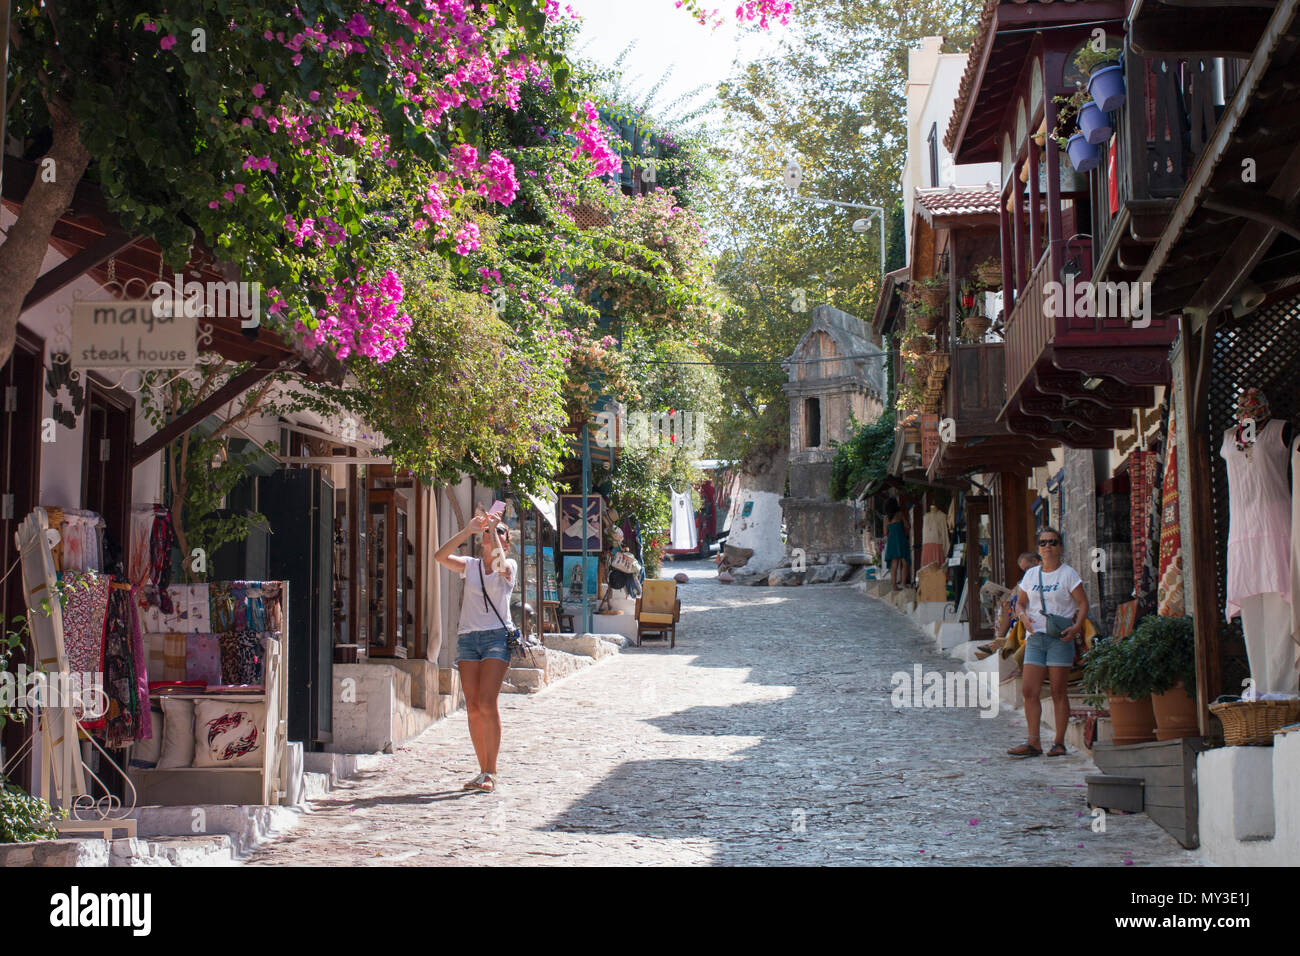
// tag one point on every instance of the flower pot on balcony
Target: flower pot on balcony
(990, 274)
(927, 321)
(1106, 86)
(1094, 124)
(916, 345)
(1175, 713)
(1132, 721)
(1084, 156)
(933, 296)
(975, 326)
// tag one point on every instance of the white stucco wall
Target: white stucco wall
(1248, 814)
(933, 79)
(761, 531)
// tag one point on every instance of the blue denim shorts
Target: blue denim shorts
(483, 645)
(1049, 651)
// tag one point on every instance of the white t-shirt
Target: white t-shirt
(1055, 587)
(473, 615)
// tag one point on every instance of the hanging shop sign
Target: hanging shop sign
(131, 333)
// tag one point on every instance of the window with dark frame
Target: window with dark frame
(933, 140)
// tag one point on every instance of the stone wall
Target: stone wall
(1079, 520)
(819, 527)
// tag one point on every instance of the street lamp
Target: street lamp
(792, 176)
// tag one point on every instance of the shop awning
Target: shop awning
(545, 504)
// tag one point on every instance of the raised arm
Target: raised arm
(456, 562)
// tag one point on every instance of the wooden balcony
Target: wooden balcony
(975, 394)
(1160, 132)
(1073, 378)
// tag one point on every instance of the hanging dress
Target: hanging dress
(683, 531)
(896, 543)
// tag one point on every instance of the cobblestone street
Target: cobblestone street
(766, 737)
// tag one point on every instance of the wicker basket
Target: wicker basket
(1248, 723)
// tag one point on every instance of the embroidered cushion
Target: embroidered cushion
(229, 733)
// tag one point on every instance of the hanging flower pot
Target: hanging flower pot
(916, 345)
(1094, 124)
(975, 326)
(990, 273)
(1106, 86)
(1084, 156)
(927, 320)
(933, 296)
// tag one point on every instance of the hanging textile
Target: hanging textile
(1169, 595)
(122, 722)
(161, 540)
(142, 521)
(1144, 513)
(1112, 176)
(141, 670)
(683, 533)
(83, 628)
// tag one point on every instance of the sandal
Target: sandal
(1058, 750)
(489, 783)
(1025, 750)
(476, 783)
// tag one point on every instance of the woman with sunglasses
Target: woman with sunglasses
(483, 652)
(1050, 588)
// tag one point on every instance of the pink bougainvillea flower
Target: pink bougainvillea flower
(151, 27)
(167, 42)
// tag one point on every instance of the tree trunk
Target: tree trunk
(24, 247)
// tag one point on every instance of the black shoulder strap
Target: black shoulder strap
(487, 605)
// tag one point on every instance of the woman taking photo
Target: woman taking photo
(1049, 597)
(483, 653)
(897, 552)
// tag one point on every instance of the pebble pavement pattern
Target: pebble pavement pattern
(766, 738)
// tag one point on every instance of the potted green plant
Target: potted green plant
(932, 290)
(25, 818)
(1111, 674)
(1105, 76)
(1164, 652)
(989, 273)
(921, 314)
(1084, 156)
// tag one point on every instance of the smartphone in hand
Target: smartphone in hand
(498, 508)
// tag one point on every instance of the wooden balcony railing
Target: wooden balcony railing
(1029, 329)
(1160, 130)
(977, 389)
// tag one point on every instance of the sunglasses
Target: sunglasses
(503, 532)
(1049, 542)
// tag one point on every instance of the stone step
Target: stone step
(199, 850)
(316, 785)
(409, 722)
(524, 680)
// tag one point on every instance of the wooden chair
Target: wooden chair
(658, 610)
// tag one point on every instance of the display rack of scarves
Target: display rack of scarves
(101, 635)
(150, 560)
(81, 539)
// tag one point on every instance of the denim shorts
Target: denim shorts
(483, 645)
(1049, 651)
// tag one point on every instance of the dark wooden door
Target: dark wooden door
(106, 460)
(20, 467)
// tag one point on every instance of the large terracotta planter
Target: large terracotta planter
(1132, 721)
(991, 276)
(1175, 713)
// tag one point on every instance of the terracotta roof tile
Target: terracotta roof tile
(983, 37)
(958, 200)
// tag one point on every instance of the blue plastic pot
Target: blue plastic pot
(1084, 156)
(1106, 87)
(1094, 124)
